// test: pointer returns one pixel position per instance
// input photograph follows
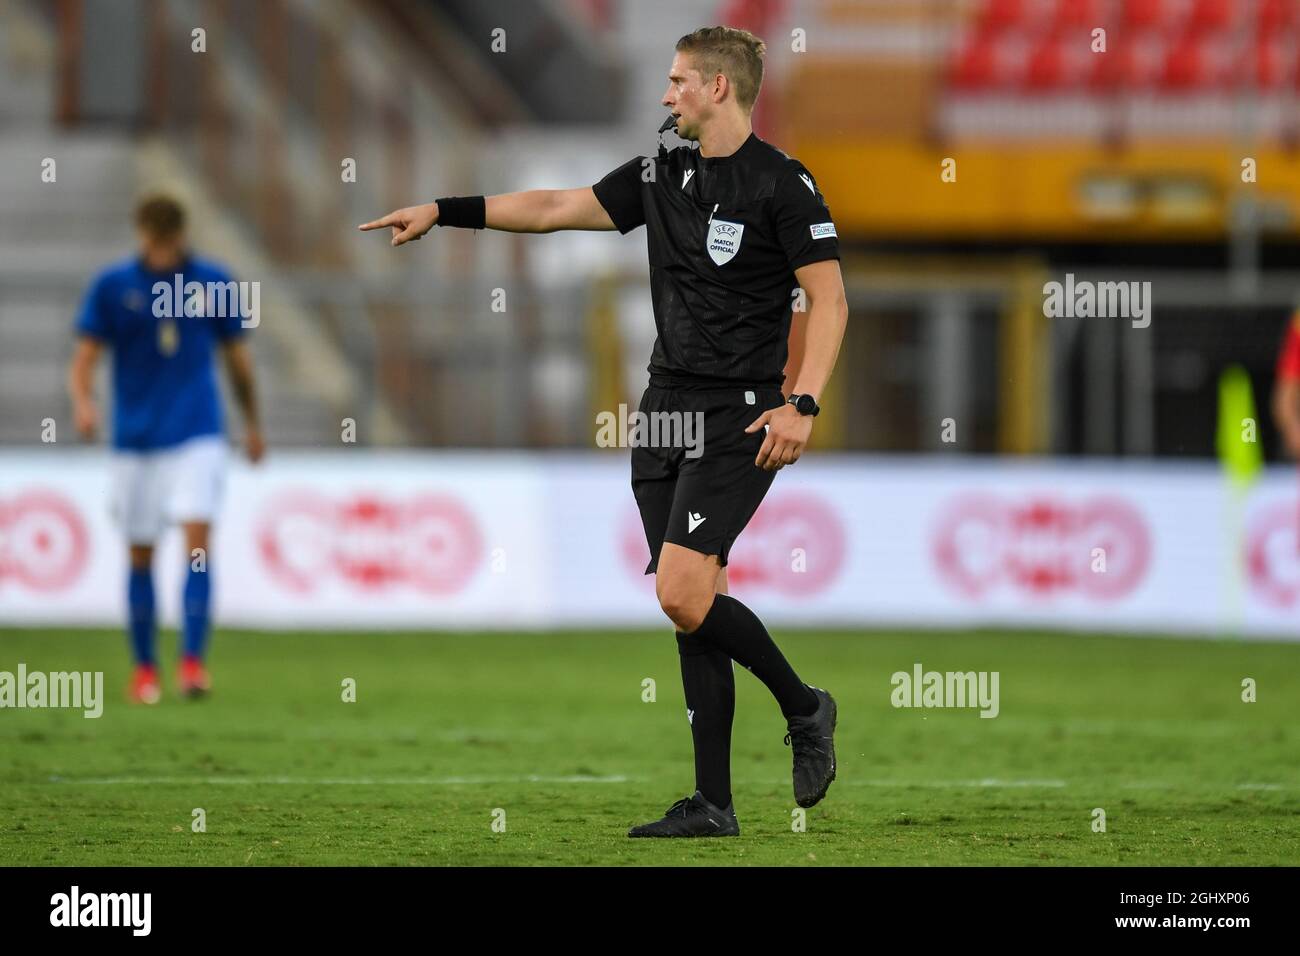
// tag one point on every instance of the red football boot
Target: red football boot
(193, 678)
(145, 688)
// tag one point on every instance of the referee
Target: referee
(733, 228)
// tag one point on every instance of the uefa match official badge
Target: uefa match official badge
(724, 240)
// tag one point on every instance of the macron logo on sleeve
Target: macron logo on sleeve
(807, 181)
(686, 177)
(823, 230)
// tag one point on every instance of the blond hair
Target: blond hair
(736, 54)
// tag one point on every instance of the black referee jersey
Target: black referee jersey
(725, 235)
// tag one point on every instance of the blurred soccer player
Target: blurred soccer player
(733, 228)
(1286, 389)
(169, 450)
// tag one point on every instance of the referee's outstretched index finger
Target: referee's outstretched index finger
(389, 220)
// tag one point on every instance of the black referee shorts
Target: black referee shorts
(704, 502)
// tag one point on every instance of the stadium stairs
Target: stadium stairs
(55, 236)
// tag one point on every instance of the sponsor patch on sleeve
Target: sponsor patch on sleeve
(823, 230)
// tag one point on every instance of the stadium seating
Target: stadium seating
(1179, 47)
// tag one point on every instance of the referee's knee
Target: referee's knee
(686, 607)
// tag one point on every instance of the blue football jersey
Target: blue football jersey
(164, 384)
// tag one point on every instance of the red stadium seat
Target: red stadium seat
(975, 67)
(1002, 14)
(1272, 63)
(1183, 66)
(1150, 14)
(1196, 63)
(992, 61)
(1062, 61)
(1107, 70)
(1215, 15)
(1084, 14)
(1132, 63)
(1276, 15)
(1046, 70)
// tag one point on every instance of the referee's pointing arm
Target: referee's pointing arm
(535, 210)
(730, 226)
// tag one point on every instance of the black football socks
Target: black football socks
(735, 630)
(710, 686)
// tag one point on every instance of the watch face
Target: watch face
(805, 405)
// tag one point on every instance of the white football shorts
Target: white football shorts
(154, 489)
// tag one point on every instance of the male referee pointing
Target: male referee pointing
(733, 228)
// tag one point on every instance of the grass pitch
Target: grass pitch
(449, 729)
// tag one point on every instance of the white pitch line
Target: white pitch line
(989, 783)
(334, 781)
(1161, 785)
(1051, 784)
(996, 784)
(958, 784)
(483, 781)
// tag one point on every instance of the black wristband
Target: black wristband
(468, 212)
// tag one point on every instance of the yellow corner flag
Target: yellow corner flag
(1238, 434)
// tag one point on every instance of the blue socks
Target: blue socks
(197, 601)
(140, 613)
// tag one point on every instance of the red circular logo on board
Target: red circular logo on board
(794, 544)
(1273, 554)
(428, 542)
(1043, 546)
(44, 543)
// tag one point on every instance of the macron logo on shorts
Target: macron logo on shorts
(693, 521)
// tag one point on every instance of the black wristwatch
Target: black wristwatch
(804, 404)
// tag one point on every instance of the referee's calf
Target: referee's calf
(733, 228)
